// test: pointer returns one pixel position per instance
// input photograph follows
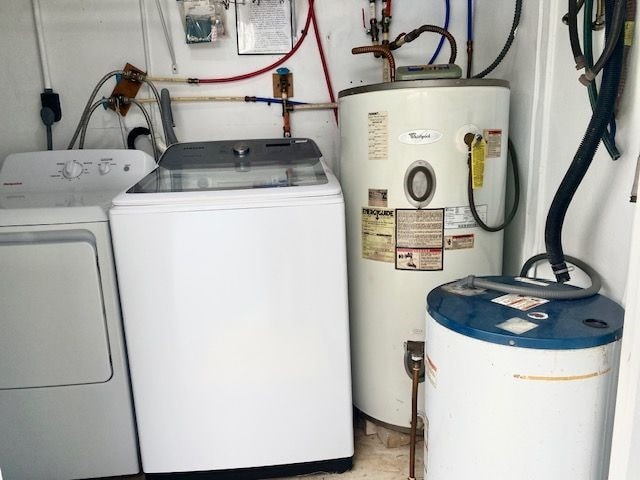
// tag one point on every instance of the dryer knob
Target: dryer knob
(72, 169)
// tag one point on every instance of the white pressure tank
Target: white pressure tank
(519, 387)
(404, 173)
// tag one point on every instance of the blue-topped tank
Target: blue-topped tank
(525, 387)
(554, 324)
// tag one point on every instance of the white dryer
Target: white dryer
(65, 402)
(232, 265)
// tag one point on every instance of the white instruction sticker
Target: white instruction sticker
(517, 326)
(461, 217)
(519, 302)
(419, 228)
(378, 135)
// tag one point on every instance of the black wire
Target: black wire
(507, 45)
(513, 157)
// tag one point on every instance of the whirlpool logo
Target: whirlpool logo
(420, 137)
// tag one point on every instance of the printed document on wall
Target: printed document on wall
(264, 27)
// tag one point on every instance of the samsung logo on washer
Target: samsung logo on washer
(420, 137)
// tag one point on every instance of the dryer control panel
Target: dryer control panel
(73, 171)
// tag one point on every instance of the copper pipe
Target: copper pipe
(412, 35)
(384, 51)
(415, 370)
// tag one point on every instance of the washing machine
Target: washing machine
(65, 401)
(231, 259)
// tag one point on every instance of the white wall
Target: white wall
(550, 112)
(88, 38)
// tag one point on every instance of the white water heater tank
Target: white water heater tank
(404, 173)
(519, 387)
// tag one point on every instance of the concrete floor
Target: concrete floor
(372, 461)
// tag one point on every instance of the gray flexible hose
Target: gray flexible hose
(87, 107)
(157, 96)
(167, 117)
(85, 124)
(149, 126)
(550, 292)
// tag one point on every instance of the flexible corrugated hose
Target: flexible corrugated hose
(584, 156)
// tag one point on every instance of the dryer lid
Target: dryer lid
(235, 165)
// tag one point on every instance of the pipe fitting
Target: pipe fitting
(384, 51)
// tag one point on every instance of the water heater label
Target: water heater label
(378, 197)
(378, 135)
(519, 302)
(459, 242)
(517, 326)
(378, 234)
(419, 239)
(422, 228)
(419, 259)
(461, 217)
(420, 137)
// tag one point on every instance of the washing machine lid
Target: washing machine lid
(213, 171)
(527, 322)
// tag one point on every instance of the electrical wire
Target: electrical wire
(513, 157)
(505, 49)
(447, 16)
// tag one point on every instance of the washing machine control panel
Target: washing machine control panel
(73, 170)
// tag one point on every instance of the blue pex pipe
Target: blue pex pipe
(447, 15)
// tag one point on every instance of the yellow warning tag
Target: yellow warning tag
(628, 33)
(478, 154)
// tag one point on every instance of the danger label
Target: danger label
(378, 135)
(419, 259)
(494, 143)
(378, 234)
(459, 242)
